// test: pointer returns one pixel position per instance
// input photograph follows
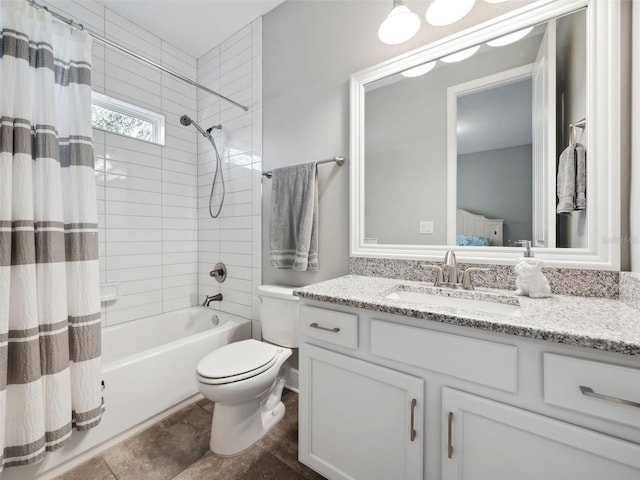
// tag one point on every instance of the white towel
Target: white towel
(294, 217)
(571, 179)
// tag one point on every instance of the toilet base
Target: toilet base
(235, 428)
(237, 424)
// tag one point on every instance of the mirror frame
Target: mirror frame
(604, 117)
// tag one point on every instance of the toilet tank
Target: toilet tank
(279, 315)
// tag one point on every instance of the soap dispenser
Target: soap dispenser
(530, 281)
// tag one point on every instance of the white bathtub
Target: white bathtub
(148, 366)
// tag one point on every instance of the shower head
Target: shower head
(186, 121)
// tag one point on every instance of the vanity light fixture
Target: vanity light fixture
(510, 38)
(419, 70)
(446, 12)
(461, 55)
(400, 25)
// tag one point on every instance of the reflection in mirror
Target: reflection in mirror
(493, 166)
(465, 152)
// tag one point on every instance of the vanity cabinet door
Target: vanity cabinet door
(486, 440)
(359, 420)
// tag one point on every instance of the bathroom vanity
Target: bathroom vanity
(405, 386)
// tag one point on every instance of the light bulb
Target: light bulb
(509, 38)
(446, 12)
(400, 25)
(461, 55)
(419, 70)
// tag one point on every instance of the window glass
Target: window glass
(123, 118)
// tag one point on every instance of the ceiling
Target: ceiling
(193, 26)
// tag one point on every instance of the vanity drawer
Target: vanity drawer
(487, 363)
(330, 326)
(614, 390)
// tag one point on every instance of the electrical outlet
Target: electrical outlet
(426, 227)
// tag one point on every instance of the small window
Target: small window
(124, 118)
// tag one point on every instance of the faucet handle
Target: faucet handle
(466, 276)
(439, 274)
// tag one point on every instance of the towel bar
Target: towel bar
(339, 160)
(573, 137)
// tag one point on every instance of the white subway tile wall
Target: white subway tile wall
(156, 238)
(233, 69)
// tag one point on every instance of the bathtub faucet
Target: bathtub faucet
(212, 298)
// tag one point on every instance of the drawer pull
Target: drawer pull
(590, 393)
(449, 441)
(412, 432)
(332, 330)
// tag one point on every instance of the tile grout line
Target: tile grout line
(109, 467)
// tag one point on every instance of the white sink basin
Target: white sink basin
(473, 304)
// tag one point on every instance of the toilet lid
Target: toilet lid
(245, 358)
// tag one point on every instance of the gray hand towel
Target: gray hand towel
(581, 177)
(294, 217)
(572, 179)
(566, 181)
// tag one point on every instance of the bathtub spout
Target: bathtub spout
(212, 298)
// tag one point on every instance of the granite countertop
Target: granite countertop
(603, 324)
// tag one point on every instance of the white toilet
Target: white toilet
(245, 379)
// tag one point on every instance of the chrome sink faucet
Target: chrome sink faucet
(212, 298)
(448, 274)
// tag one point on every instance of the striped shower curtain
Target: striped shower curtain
(49, 270)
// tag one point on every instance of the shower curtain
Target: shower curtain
(49, 270)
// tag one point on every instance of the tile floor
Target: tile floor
(177, 448)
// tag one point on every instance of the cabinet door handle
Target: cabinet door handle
(412, 431)
(449, 442)
(326, 329)
(587, 391)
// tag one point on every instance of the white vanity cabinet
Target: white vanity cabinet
(487, 440)
(359, 420)
(487, 405)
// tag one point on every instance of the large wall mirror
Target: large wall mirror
(464, 143)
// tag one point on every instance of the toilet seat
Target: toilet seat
(237, 361)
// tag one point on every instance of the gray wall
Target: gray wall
(497, 184)
(310, 48)
(571, 97)
(405, 148)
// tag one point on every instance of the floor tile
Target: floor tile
(94, 469)
(164, 450)
(269, 467)
(206, 404)
(177, 448)
(252, 464)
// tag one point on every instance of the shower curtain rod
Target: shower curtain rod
(116, 46)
